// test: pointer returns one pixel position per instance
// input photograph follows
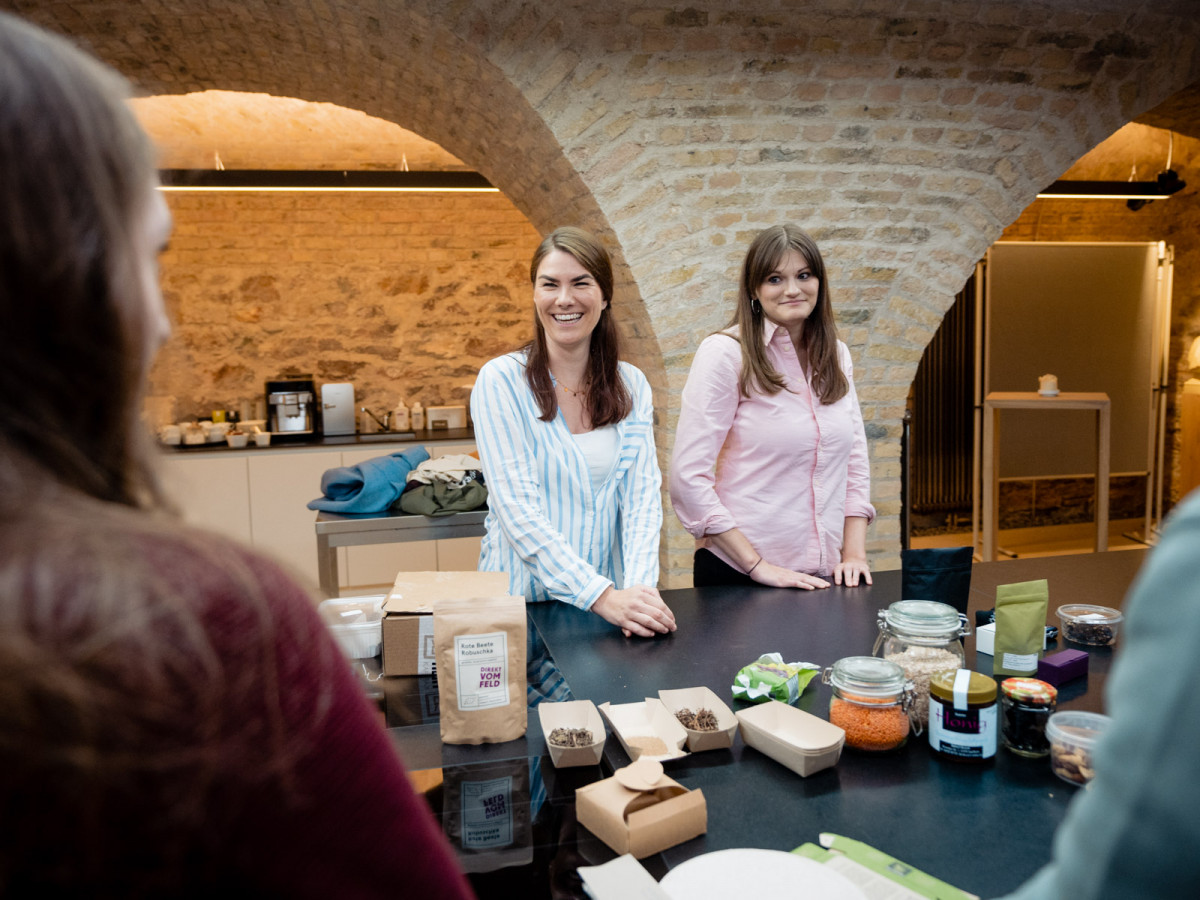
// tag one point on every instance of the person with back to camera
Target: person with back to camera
(769, 471)
(566, 436)
(1132, 833)
(175, 719)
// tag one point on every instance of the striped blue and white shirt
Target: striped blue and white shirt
(556, 537)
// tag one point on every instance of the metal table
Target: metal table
(338, 530)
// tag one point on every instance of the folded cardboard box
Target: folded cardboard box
(801, 741)
(646, 729)
(408, 647)
(641, 811)
(699, 700)
(573, 716)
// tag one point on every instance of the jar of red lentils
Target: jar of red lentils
(871, 702)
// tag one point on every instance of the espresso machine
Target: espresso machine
(292, 408)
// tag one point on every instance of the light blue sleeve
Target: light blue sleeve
(526, 486)
(1134, 831)
(640, 491)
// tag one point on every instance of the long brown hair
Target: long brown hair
(608, 399)
(766, 251)
(119, 705)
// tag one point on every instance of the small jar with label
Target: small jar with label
(962, 716)
(871, 701)
(922, 637)
(1026, 705)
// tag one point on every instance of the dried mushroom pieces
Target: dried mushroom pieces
(1072, 763)
(700, 720)
(571, 737)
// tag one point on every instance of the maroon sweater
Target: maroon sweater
(265, 768)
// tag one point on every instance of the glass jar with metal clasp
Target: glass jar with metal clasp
(922, 637)
(872, 700)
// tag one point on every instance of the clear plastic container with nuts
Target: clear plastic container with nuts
(1073, 735)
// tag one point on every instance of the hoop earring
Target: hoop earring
(755, 306)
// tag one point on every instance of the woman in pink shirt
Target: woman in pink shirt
(769, 471)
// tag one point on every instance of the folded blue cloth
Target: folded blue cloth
(369, 487)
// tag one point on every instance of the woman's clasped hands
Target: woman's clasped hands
(636, 610)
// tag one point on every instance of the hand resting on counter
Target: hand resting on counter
(636, 610)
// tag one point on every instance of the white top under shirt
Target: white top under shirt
(599, 448)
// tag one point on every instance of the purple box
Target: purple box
(1063, 666)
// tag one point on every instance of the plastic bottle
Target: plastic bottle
(400, 417)
(418, 416)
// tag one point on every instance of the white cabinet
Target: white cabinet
(281, 484)
(260, 497)
(210, 490)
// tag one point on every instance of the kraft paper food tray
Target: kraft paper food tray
(573, 714)
(801, 741)
(641, 811)
(697, 698)
(646, 719)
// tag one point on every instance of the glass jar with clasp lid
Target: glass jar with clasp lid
(922, 637)
(871, 702)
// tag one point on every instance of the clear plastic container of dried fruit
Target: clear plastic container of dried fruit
(1073, 735)
(871, 702)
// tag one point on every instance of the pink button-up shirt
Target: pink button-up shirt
(784, 468)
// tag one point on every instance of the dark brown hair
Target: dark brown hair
(608, 399)
(119, 704)
(766, 252)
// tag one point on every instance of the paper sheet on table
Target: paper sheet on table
(881, 877)
(623, 878)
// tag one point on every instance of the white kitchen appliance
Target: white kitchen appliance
(337, 408)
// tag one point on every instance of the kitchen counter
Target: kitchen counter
(341, 441)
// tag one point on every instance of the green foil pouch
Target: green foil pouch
(770, 678)
(1020, 627)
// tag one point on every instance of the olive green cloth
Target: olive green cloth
(441, 499)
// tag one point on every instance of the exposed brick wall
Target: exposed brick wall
(905, 135)
(402, 294)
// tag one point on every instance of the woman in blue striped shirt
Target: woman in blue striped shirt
(565, 434)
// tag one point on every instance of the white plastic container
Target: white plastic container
(418, 416)
(356, 622)
(401, 421)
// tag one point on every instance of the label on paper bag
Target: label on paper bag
(426, 654)
(487, 813)
(1018, 662)
(480, 661)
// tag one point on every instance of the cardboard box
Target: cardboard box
(801, 741)
(695, 699)
(985, 639)
(641, 811)
(1063, 666)
(408, 614)
(573, 714)
(646, 720)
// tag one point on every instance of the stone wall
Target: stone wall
(406, 295)
(907, 135)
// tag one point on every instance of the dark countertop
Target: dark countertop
(425, 436)
(931, 814)
(985, 829)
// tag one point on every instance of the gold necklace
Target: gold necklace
(567, 390)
